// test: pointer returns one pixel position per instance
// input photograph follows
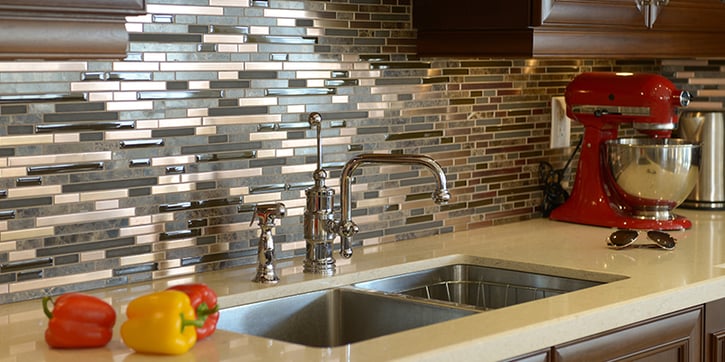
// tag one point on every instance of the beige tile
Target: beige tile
(154, 57)
(95, 86)
(254, 119)
(26, 140)
(136, 66)
(130, 106)
(299, 168)
(174, 160)
(66, 138)
(200, 66)
(82, 217)
(199, 84)
(57, 281)
(66, 198)
(183, 9)
(283, 13)
(263, 66)
(21, 255)
(164, 217)
(180, 122)
(266, 136)
(167, 189)
(139, 220)
(315, 66)
(313, 74)
(169, 179)
(220, 175)
(229, 3)
(259, 30)
(142, 86)
(141, 230)
(13, 172)
(140, 259)
(205, 131)
(174, 244)
(125, 135)
(26, 233)
(44, 66)
(104, 195)
(172, 272)
(7, 246)
(93, 255)
(267, 101)
(224, 38)
(147, 124)
(34, 191)
(60, 158)
(265, 197)
(197, 112)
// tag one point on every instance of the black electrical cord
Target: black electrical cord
(554, 193)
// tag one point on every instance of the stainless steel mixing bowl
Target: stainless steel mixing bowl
(649, 177)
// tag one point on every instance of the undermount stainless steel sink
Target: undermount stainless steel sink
(333, 317)
(477, 286)
(349, 314)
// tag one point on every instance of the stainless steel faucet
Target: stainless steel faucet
(320, 225)
(267, 214)
(346, 228)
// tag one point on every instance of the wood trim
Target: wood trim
(125, 7)
(66, 29)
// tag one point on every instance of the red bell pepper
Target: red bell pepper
(78, 321)
(204, 301)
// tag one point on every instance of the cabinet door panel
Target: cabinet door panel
(674, 337)
(611, 13)
(715, 331)
(692, 16)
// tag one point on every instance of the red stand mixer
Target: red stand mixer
(602, 102)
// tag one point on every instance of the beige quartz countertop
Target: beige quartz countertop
(657, 282)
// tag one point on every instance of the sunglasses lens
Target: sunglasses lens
(622, 238)
(664, 240)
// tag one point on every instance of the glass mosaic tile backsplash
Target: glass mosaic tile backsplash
(114, 172)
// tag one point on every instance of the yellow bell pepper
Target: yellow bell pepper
(160, 323)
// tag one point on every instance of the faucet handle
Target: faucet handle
(347, 230)
(268, 213)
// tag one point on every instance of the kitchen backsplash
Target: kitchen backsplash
(114, 172)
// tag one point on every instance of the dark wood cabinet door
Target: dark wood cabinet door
(569, 28)
(675, 337)
(540, 356)
(596, 13)
(681, 15)
(715, 331)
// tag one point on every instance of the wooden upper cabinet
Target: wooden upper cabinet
(570, 28)
(66, 29)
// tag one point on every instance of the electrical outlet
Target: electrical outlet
(560, 124)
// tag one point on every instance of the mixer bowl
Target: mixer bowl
(648, 177)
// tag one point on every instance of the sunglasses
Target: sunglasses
(624, 238)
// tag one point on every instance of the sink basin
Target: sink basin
(354, 313)
(477, 286)
(333, 317)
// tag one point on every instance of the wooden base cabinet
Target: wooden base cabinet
(674, 337)
(715, 331)
(690, 335)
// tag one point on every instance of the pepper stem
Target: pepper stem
(203, 311)
(197, 323)
(46, 310)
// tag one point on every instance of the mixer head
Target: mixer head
(605, 100)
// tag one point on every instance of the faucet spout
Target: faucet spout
(347, 228)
